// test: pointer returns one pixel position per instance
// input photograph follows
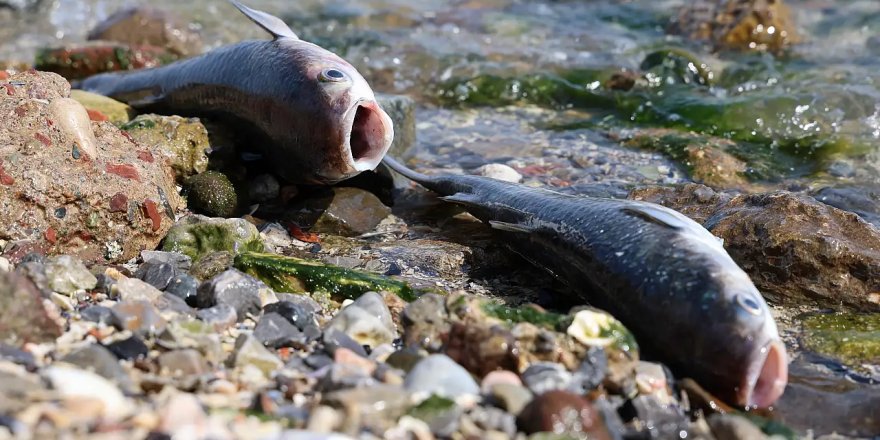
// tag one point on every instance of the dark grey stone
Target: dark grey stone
(156, 274)
(273, 330)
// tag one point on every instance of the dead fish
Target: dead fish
(314, 113)
(664, 276)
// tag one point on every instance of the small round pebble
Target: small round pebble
(438, 374)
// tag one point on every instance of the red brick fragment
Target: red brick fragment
(96, 115)
(43, 138)
(51, 235)
(145, 156)
(123, 170)
(128, 136)
(151, 210)
(21, 110)
(119, 203)
(5, 179)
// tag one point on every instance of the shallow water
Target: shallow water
(521, 82)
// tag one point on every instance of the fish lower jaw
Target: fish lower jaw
(766, 382)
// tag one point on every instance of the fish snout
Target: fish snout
(370, 135)
(769, 377)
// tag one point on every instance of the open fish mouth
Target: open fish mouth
(767, 379)
(369, 136)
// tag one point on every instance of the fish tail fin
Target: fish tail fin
(272, 24)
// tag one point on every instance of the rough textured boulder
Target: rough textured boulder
(74, 186)
(797, 250)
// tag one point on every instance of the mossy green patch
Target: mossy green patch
(530, 314)
(294, 275)
(432, 407)
(197, 236)
(139, 124)
(212, 193)
(853, 339)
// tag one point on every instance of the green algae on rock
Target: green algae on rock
(197, 236)
(211, 193)
(853, 339)
(296, 275)
(526, 313)
(184, 140)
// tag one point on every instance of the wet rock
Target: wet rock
(424, 321)
(663, 420)
(182, 363)
(158, 275)
(101, 361)
(481, 348)
(184, 287)
(197, 236)
(100, 206)
(67, 275)
(367, 320)
(500, 172)
(251, 352)
(795, 249)
(220, 316)
(24, 315)
(440, 375)
(263, 188)
(739, 24)
(235, 289)
(212, 194)
(179, 261)
(102, 108)
(297, 309)
(78, 61)
(138, 316)
(562, 412)
(211, 265)
(275, 331)
(133, 289)
(99, 314)
(591, 372)
(148, 26)
(864, 201)
(734, 427)
(542, 377)
(402, 111)
(182, 140)
(342, 211)
(83, 386)
(129, 349)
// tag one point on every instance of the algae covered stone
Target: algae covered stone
(183, 140)
(211, 193)
(853, 339)
(197, 236)
(291, 274)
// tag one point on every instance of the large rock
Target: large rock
(196, 236)
(24, 315)
(150, 26)
(738, 24)
(796, 249)
(72, 186)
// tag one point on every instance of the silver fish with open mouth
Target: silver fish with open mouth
(664, 276)
(316, 115)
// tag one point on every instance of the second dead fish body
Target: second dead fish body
(316, 115)
(663, 275)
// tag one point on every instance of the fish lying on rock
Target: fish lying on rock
(663, 275)
(314, 113)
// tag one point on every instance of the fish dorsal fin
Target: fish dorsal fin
(269, 22)
(656, 214)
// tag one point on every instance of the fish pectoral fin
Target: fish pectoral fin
(510, 227)
(657, 214)
(461, 199)
(269, 22)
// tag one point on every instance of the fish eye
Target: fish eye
(748, 303)
(332, 75)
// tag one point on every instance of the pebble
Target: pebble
(263, 188)
(187, 362)
(73, 120)
(211, 265)
(499, 377)
(562, 412)
(180, 261)
(80, 385)
(493, 419)
(500, 172)
(133, 289)
(591, 372)
(18, 356)
(442, 415)
(138, 316)
(101, 361)
(171, 306)
(369, 323)
(233, 288)
(734, 427)
(343, 376)
(198, 236)
(250, 352)
(129, 349)
(220, 317)
(68, 275)
(156, 274)
(185, 287)
(5, 265)
(274, 331)
(438, 374)
(182, 416)
(334, 338)
(424, 321)
(510, 397)
(662, 420)
(376, 407)
(99, 314)
(24, 313)
(541, 377)
(299, 311)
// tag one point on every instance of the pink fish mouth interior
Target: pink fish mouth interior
(371, 135)
(771, 379)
